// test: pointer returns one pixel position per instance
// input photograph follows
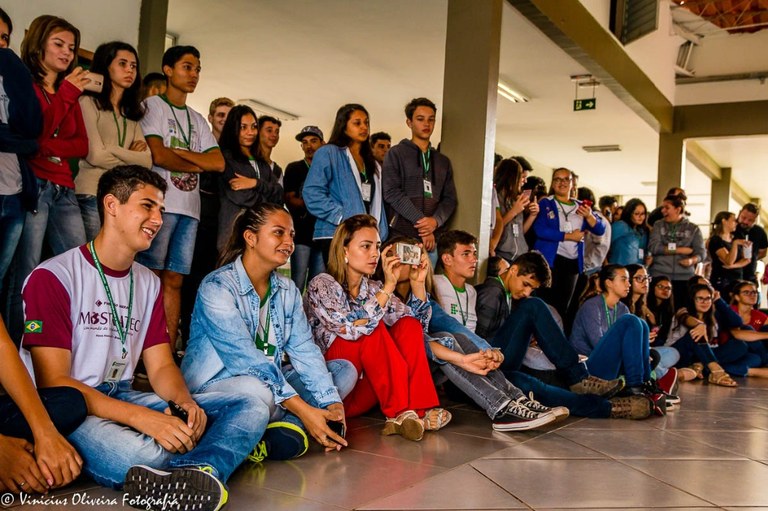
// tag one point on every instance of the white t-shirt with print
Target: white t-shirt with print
(458, 304)
(181, 128)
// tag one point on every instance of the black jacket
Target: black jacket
(491, 308)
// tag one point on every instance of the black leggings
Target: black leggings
(65, 405)
(565, 273)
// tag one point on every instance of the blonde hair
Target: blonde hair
(337, 266)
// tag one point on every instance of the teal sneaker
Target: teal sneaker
(188, 489)
(281, 441)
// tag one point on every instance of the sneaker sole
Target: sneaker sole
(181, 489)
(526, 425)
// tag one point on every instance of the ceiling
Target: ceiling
(309, 58)
(733, 16)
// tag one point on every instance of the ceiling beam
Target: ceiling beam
(695, 154)
(573, 28)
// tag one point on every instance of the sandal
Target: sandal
(436, 418)
(699, 368)
(686, 374)
(407, 425)
(720, 377)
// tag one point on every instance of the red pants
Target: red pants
(393, 367)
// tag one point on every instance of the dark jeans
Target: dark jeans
(580, 405)
(737, 357)
(65, 405)
(565, 273)
(691, 351)
(533, 317)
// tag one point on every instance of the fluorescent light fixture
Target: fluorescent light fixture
(264, 109)
(601, 148)
(511, 94)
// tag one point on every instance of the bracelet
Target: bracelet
(389, 295)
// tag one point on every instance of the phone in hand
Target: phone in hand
(527, 193)
(178, 411)
(96, 82)
(588, 203)
(338, 427)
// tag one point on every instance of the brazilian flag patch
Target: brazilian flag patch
(33, 327)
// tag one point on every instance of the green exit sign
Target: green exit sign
(584, 104)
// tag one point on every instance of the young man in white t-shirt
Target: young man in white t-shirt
(182, 147)
(72, 339)
(457, 252)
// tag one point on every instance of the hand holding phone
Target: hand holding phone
(178, 411)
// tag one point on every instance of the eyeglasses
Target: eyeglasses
(703, 299)
(640, 279)
(556, 180)
(748, 293)
(664, 288)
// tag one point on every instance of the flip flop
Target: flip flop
(436, 418)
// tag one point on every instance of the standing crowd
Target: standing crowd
(136, 241)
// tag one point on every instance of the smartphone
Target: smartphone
(338, 427)
(178, 411)
(96, 82)
(588, 203)
(527, 193)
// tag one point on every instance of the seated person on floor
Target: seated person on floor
(34, 456)
(359, 319)
(91, 312)
(615, 341)
(473, 369)
(589, 396)
(249, 335)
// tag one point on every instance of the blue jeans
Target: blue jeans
(89, 210)
(173, 247)
(669, 357)
(533, 317)
(580, 405)
(736, 357)
(691, 351)
(56, 221)
(624, 348)
(11, 224)
(344, 379)
(491, 392)
(306, 263)
(109, 449)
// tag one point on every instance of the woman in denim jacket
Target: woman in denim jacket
(344, 178)
(359, 320)
(249, 335)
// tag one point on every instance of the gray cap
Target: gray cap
(309, 130)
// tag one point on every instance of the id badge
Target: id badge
(427, 189)
(116, 370)
(515, 230)
(640, 254)
(567, 227)
(365, 190)
(671, 247)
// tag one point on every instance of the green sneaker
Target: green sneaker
(281, 441)
(188, 489)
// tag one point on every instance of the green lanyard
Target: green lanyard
(306, 163)
(466, 304)
(607, 312)
(673, 232)
(262, 342)
(121, 332)
(120, 138)
(506, 292)
(364, 174)
(426, 162)
(178, 124)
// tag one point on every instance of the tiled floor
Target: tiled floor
(712, 453)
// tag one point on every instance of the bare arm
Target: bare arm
(166, 158)
(210, 161)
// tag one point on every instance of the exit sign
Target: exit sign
(584, 104)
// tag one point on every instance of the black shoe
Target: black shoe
(517, 417)
(188, 489)
(281, 441)
(529, 402)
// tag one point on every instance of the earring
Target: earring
(346, 261)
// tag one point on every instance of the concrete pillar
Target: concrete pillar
(152, 27)
(721, 192)
(671, 172)
(469, 109)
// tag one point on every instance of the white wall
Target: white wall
(99, 21)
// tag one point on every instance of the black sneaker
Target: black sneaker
(517, 417)
(560, 412)
(281, 441)
(188, 489)
(598, 386)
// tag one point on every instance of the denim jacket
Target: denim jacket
(332, 195)
(223, 330)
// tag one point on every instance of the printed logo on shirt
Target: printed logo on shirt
(454, 309)
(33, 327)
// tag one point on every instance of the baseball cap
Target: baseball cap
(309, 130)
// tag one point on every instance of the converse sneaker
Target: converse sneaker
(598, 386)
(281, 441)
(529, 402)
(517, 417)
(669, 383)
(630, 407)
(188, 489)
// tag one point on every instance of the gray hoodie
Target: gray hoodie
(683, 234)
